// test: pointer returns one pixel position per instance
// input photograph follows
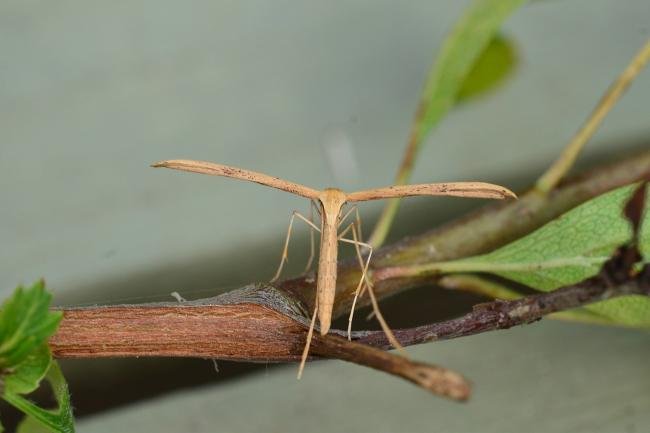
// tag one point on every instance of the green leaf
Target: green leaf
(30, 425)
(27, 375)
(459, 55)
(25, 324)
(570, 249)
(59, 420)
(496, 63)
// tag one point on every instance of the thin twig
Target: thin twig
(437, 380)
(565, 161)
(492, 316)
(491, 289)
(494, 290)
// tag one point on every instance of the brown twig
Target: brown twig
(489, 288)
(437, 380)
(256, 324)
(495, 315)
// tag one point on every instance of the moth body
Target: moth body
(331, 201)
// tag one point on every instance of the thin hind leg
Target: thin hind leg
(312, 226)
(366, 246)
(364, 278)
(310, 335)
(285, 250)
(364, 267)
(364, 272)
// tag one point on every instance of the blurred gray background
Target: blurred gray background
(317, 92)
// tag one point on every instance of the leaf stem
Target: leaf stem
(469, 265)
(478, 285)
(565, 161)
(387, 215)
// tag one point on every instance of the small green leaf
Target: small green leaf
(59, 420)
(570, 249)
(496, 63)
(458, 57)
(25, 324)
(27, 375)
(30, 425)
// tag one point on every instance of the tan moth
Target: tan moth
(329, 203)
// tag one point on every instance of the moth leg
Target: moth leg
(345, 232)
(364, 270)
(285, 250)
(310, 335)
(373, 299)
(357, 221)
(312, 248)
(347, 214)
(364, 267)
